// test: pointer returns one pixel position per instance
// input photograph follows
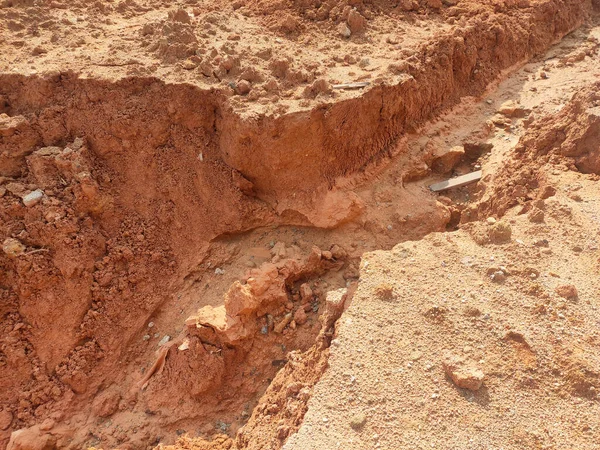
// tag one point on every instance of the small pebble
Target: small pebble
(33, 198)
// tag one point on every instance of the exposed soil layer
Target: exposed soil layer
(174, 234)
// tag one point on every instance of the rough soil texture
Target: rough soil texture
(187, 207)
(485, 337)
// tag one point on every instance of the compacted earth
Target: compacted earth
(218, 232)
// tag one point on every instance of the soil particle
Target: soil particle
(568, 291)
(356, 22)
(536, 215)
(300, 316)
(462, 373)
(31, 439)
(500, 232)
(358, 421)
(448, 160)
(512, 109)
(243, 87)
(13, 247)
(6, 419)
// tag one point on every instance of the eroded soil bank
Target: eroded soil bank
(164, 250)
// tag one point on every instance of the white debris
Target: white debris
(184, 346)
(219, 271)
(33, 198)
(166, 338)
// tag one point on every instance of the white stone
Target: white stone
(33, 198)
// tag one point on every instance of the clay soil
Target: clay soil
(207, 243)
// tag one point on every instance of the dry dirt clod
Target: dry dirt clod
(33, 198)
(31, 439)
(13, 247)
(500, 232)
(6, 419)
(536, 215)
(344, 30)
(356, 21)
(464, 374)
(300, 316)
(512, 109)
(358, 421)
(243, 87)
(448, 160)
(567, 291)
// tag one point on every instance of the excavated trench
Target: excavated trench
(164, 258)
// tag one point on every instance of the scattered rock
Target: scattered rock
(435, 4)
(385, 291)
(498, 276)
(33, 198)
(188, 64)
(356, 22)
(512, 109)
(6, 419)
(306, 293)
(500, 232)
(31, 439)
(358, 421)
(463, 374)
(547, 192)
(13, 247)
(300, 316)
(364, 62)
(251, 75)
(319, 86)
(409, 5)
(536, 215)
(180, 15)
(344, 30)
(166, 338)
(243, 87)
(219, 271)
(447, 161)
(289, 24)
(279, 327)
(566, 291)
(338, 252)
